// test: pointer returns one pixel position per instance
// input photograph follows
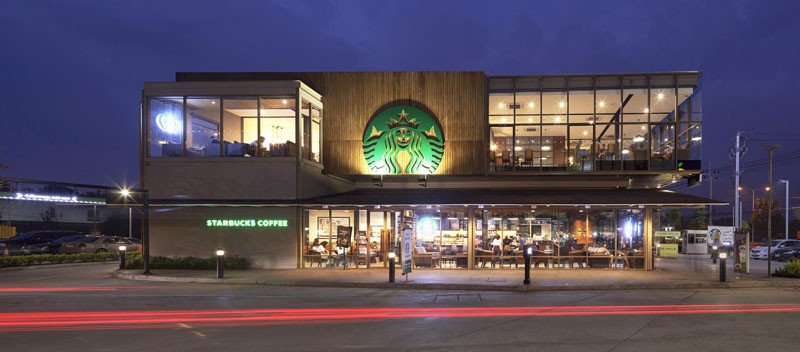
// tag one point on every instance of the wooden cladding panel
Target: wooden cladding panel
(457, 99)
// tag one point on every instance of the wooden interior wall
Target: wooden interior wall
(457, 99)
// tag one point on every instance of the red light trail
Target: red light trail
(101, 320)
(63, 289)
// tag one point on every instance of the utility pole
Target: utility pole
(736, 153)
(711, 176)
(769, 149)
(786, 226)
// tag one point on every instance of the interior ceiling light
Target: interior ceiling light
(601, 104)
(646, 110)
(660, 96)
(561, 104)
(284, 102)
(531, 105)
(500, 105)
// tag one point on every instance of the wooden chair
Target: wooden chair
(577, 256)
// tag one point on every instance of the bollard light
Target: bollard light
(220, 263)
(391, 266)
(723, 255)
(714, 254)
(122, 254)
(529, 253)
(722, 266)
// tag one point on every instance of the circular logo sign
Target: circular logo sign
(403, 140)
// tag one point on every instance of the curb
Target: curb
(458, 287)
(53, 266)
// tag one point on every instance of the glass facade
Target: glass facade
(595, 123)
(561, 237)
(233, 126)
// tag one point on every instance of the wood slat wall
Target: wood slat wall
(457, 99)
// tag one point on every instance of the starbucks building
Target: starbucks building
(320, 170)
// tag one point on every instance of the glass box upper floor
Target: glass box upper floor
(580, 123)
(264, 120)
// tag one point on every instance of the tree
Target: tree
(759, 220)
(673, 219)
(699, 220)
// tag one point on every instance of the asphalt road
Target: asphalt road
(84, 309)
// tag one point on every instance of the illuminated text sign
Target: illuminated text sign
(247, 223)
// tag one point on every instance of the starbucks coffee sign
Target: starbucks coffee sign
(403, 140)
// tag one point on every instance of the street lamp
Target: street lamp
(786, 228)
(126, 193)
(770, 149)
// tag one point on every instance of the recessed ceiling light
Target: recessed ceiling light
(561, 104)
(531, 105)
(285, 102)
(660, 96)
(601, 103)
(500, 105)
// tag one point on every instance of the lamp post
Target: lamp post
(786, 226)
(220, 263)
(123, 251)
(391, 266)
(770, 149)
(128, 193)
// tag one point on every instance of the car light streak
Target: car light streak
(102, 320)
(63, 289)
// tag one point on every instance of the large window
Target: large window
(166, 126)
(203, 127)
(232, 126)
(595, 123)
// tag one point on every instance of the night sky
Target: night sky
(72, 71)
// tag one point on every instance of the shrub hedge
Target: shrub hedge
(38, 259)
(134, 261)
(791, 269)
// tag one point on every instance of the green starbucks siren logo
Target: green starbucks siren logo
(403, 140)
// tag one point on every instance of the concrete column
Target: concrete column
(648, 238)
(470, 238)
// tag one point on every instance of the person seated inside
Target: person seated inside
(322, 249)
(339, 255)
(312, 249)
(257, 147)
(594, 249)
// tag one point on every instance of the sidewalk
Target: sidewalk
(670, 274)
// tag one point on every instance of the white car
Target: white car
(760, 252)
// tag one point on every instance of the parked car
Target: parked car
(760, 252)
(30, 242)
(54, 247)
(787, 253)
(98, 244)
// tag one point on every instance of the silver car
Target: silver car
(99, 244)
